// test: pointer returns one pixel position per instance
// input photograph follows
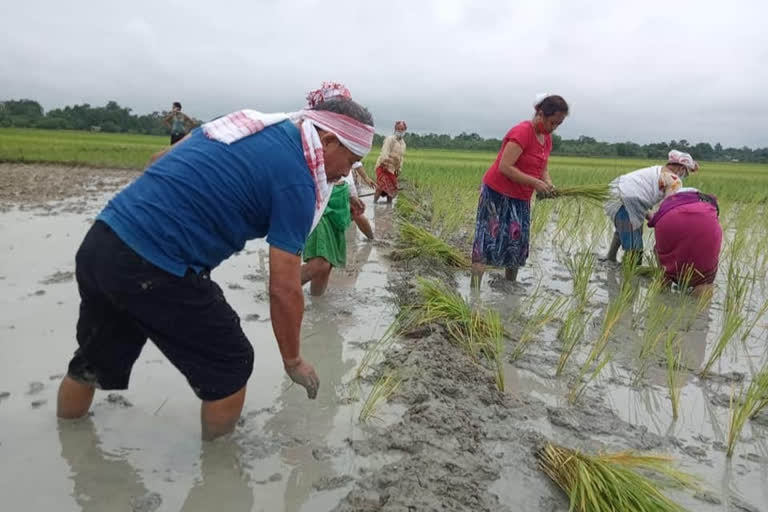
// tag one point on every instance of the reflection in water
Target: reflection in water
(358, 253)
(223, 484)
(312, 421)
(383, 221)
(102, 481)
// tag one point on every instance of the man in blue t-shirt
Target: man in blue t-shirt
(143, 269)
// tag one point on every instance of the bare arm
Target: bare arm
(286, 301)
(512, 152)
(546, 178)
(361, 172)
(286, 306)
(167, 120)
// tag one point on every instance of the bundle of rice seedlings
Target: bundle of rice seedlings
(613, 314)
(384, 387)
(376, 350)
(733, 310)
(674, 366)
(409, 209)
(495, 352)
(546, 311)
(581, 267)
(418, 242)
(613, 482)
(747, 405)
(599, 192)
(658, 320)
(571, 333)
(475, 331)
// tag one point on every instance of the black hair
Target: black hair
(177, 104)
(551, 105)
(347, 107)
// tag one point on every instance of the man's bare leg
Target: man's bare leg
(74, 399)
(219, 417)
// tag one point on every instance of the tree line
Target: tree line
(116, 119)
(110, 118)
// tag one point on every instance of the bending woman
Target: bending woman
(634, 194)
(688, 239)
(504, 211)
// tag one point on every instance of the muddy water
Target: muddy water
(140, 449)
(697, 438)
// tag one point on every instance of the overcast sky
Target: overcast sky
(655, 70)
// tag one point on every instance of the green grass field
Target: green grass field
(460, 171)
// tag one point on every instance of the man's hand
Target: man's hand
(303, 374)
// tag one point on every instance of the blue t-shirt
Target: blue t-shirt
(198, 204)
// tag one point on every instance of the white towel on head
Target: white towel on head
(541, 97)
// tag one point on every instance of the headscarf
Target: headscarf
(684, 159)
(327, 91)
(354, 135)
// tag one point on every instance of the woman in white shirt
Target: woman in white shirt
(633, 195)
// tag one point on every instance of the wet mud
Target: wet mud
(446, 440)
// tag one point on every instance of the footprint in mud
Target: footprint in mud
(57, 376)
(38, 293)
(119, 400)
(329, 483)
(4, 395)
(38, 403)
(275, 477)
(35, 388)
(253, 277)
(58, 277)
(235, 286)
(148, 503)
(252, 317)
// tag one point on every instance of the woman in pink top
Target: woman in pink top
(504, 211)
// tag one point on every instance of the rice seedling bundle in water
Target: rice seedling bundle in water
(613, 314)
(571, 333)
(613, 482)
(418, 242)
(477, 332)
(746, 405)
(384, 387)
(546, 311)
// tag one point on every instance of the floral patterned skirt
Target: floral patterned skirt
(502, 231)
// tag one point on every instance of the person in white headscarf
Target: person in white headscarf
(633, 195)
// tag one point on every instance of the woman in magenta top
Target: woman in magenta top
(504, 211)
(688, 239)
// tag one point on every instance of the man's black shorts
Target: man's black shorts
(176, 137)
(125, 300)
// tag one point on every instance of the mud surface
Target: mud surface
(447, 439)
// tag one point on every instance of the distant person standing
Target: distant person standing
(178, 122)
(390, 163)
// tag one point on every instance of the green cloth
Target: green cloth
(328, 240)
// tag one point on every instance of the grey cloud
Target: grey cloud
(655, 70)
